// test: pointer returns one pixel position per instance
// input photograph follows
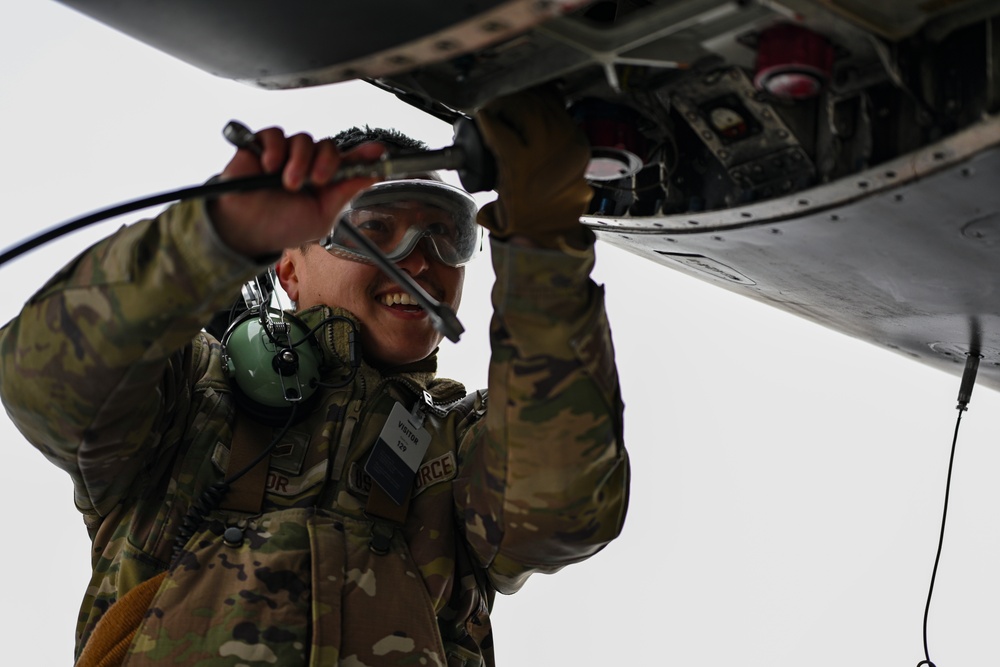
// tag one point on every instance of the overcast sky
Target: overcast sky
(787, 480)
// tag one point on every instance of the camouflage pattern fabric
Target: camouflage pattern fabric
(106, 371)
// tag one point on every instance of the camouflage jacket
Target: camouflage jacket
(107, 372)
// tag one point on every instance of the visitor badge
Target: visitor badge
(398, 452)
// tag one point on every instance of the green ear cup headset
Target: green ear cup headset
(272, 359)
(273, 362)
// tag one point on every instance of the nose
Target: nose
(417, 261)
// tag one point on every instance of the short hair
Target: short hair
(394, 139)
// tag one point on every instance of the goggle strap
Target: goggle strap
(344, 253)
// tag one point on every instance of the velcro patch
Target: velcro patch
(440, 469)
(288, 456)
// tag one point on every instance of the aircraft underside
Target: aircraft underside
(838, 159)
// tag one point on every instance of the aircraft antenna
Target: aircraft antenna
(964, 395)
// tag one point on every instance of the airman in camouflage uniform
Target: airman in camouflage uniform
(107, 373)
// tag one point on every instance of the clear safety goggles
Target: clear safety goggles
(398, 215)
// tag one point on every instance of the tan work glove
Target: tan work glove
(541, 157)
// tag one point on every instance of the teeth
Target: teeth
(400, 298)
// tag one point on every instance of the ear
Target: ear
(287, 271)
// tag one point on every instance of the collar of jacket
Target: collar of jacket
(334, 339)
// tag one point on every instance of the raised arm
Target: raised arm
(544, 479)
(92, 368)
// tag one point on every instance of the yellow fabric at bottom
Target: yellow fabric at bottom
(113, 634)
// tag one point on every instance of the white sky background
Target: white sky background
(787, 480)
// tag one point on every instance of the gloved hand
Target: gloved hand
(541, 157)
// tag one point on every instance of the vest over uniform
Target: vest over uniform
(105, 372)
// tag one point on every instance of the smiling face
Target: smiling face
(394, 331)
